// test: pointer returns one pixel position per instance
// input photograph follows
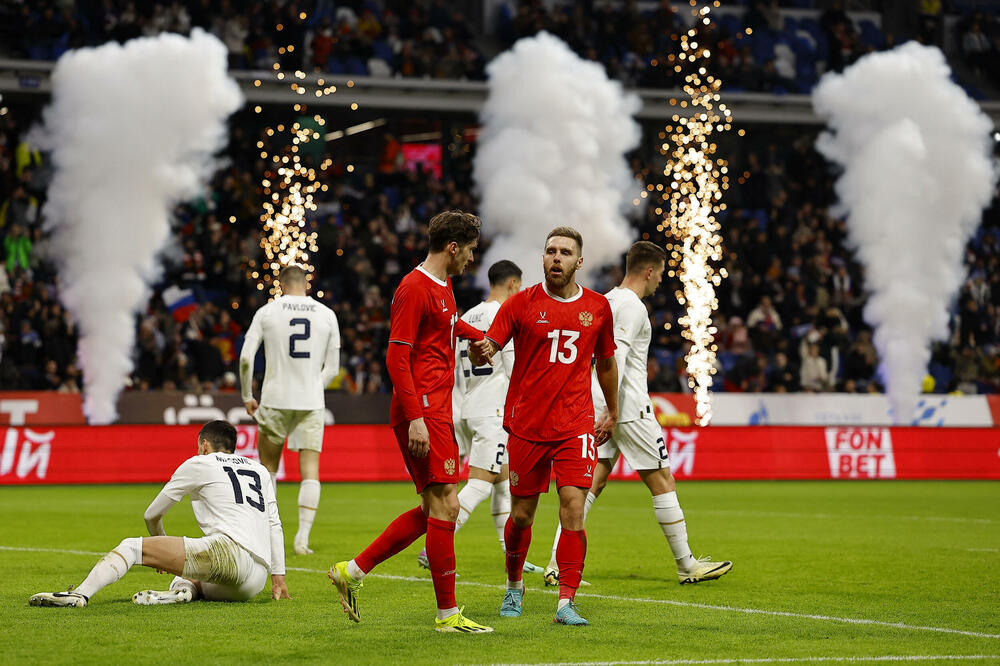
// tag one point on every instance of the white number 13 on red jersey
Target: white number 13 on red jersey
(589, 450)
(563, 350)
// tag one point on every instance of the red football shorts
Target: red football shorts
(441, 464)
(531, 463)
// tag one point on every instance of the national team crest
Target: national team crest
(513, 478)
(586, 319)
(449, 466)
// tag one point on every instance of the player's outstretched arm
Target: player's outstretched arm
(155, 512)
(251, 343)
(279, 590)
(331, 363)
(607, 377)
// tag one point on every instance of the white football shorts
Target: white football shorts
(641, 442)
(486, 442)
(226, 570)
(302, 427)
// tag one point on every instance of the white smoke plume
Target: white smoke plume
(132, 129)
(551, 153)
(917, 174)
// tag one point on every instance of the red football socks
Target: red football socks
(400, 533)
(441, 557)
(517, 539)
(570, 553)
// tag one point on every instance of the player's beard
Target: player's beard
(559, 280)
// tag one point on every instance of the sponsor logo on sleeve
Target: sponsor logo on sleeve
(860, 453)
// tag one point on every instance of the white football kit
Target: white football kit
(302, 353)
(480, 393)
(637, 436)
(234, 504)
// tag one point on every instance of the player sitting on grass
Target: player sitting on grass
(638, 436)
(233, 502)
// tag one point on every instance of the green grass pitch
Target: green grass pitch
(824, 573)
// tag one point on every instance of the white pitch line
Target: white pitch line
(774, 660)
(844, 516)
(688, 604)
(611, 597)
(983, 550)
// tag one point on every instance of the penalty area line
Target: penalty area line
(612, 597)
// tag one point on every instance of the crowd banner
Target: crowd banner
(149, 453)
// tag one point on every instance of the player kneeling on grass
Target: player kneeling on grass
(638, 436)
(234, 504)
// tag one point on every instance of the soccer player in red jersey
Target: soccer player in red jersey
(421, 362)
(558, 327)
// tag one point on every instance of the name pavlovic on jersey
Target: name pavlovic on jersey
(232, 495)
(301, 350)
(481, 391)
(632, 337)
(555, 340)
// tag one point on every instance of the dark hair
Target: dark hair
(452, 226)
(567, 232)
(502, 271)
(642, 255)
(292, 274)
(220, 434)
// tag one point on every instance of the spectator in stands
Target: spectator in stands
(814, 376)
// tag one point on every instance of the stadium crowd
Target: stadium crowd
(789, 319)
(790, 314)
(757, 48)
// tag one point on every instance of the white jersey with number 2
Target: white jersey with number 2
(481, 391)
(232, 495)
(301, 350)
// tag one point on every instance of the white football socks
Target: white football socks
(587, 504)
(112, 567)
(309, 492)
(354, 571)
(500, 508)
(474, 492)
(671, 519)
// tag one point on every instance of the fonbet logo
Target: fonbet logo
(860, 453)
(25, 451)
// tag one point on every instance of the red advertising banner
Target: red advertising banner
(47, 408)
(132, 454)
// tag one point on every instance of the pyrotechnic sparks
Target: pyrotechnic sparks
(289, 184)
(692, 199)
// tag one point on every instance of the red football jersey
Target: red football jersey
(423, 316)
(555, 340)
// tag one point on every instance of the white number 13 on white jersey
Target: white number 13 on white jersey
(565, 340)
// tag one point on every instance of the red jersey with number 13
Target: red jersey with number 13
(555, 339)
(423, 316)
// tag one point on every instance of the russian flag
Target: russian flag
(180, 302)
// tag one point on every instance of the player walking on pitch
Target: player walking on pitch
(421, 362)
(233, 501)
(557, 327)
(302, 350)
(638, 436)
(479, 412)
